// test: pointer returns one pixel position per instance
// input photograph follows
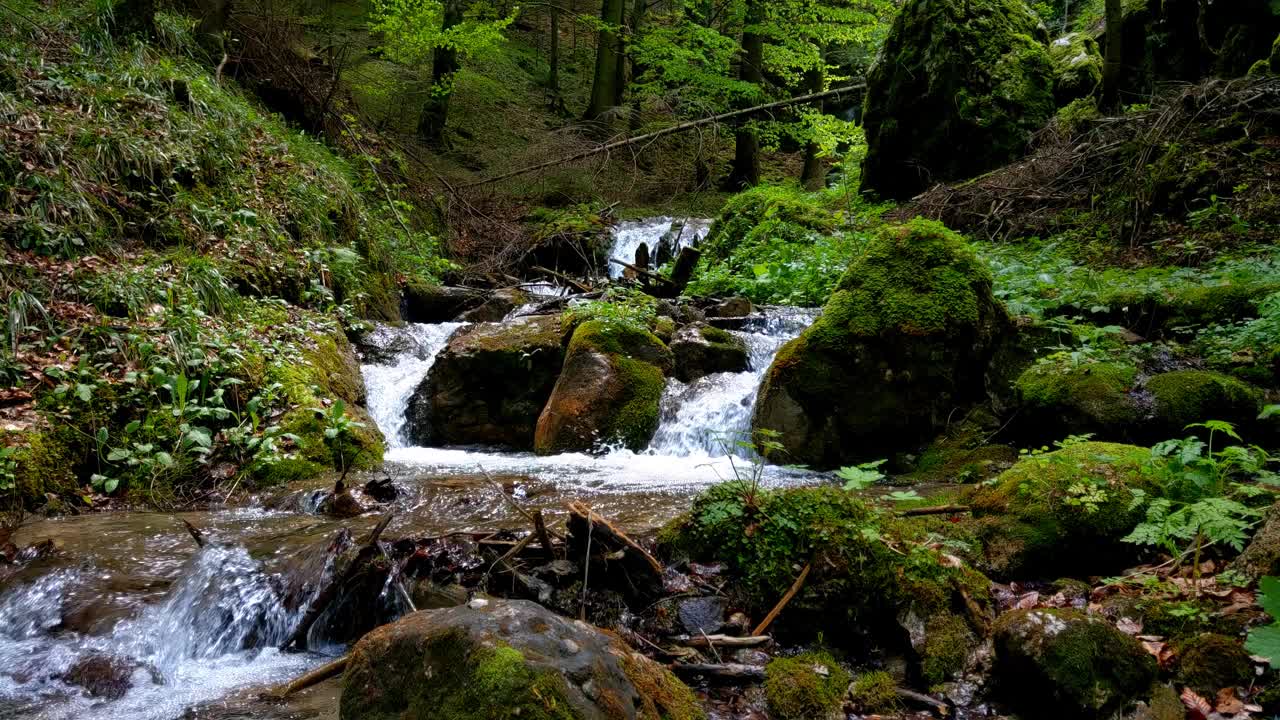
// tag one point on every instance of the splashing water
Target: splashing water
(630, 234)
(389, 387)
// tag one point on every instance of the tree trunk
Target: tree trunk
(444, 65)
(1114, 61)
(746, 157)
(604, 88)
(214, 17)
(553, 79)
(134, 17)
(637, 69)
(814, 175)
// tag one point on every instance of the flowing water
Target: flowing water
(629, 235)
(195, 630)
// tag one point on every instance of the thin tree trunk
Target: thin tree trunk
(444, 65)
(214, 16)
(814, 175)
(553, 79)
(746, 157)
(637, 69)
(1114, 61)
(604, 88)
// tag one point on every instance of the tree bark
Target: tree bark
(214, 16)
(1114, 60)
(444, 65)
(746, 156)
(553, 79)
(604, 87)
(814, 174)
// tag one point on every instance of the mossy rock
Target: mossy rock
(1063, 512)
(959, 91)
(1077, 67)
(1209, 662)
(1068, 664)
(46, 463)
(962, 453)
(766, 214)
(425, 302)
(1184, 397)
(488, 385)
(608, 393)
(809, 686)
(856, 583)
(1262, 555)
(506, 660)
(906, 338)
(875, 691)
(1056, 400)
(701, 350)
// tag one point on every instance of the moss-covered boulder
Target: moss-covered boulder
(1077, 67)
(1056, 399)
(1068, 664)
(609, 391)
(1184, 397)
(488, 385)
(502, 661)
(425, 302)
(701, 349)
(857, 583)
(809, 686)
(1063, 512)
(768, 213)
(1209, 662)
(906, 338)
(958, 90)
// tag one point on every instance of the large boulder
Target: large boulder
(426, 303)
(701, 349)
(1184, 397)
(958, 90)
(1056, 399)
(489, 384)
(1068, 664)
(906, 338)
(1064, 512)
(507, 660)
(609, 391)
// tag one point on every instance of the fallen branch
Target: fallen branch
(315, 677)
(924, 700)
(544, 537)
(641, 271)
(728, 641)
(580, 287)
(674, 129)
(732, 672)
(777, 609)
(939, 510)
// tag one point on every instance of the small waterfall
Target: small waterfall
(711, 414)
(628, 236)
(216, 629)
(390, 386)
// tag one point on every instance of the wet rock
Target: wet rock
(342, 505)
(1059, 399)
(701, 349)
(386, 344)
(488, 385)
(906, 338)
(960, 90)
(383, 490)
(609, 392)
(1262, 556)
(702, 615)
(426, 303)
(465, 662)
(101, 675)
(1026, 531)
(496, 307)
(734, 307)
(428, 595)
(1065, 663)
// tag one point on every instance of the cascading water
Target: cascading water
(216, 629)
(390, 386)
(630, 234)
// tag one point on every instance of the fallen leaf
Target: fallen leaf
(1228, 703)
(1129, 626)
(1197, 707)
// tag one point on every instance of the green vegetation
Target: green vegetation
(809, 686)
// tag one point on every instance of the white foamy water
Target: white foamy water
(389, 387)
(215, 631)
(630, 234)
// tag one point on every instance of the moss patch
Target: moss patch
(1207, 663)
(1060, 399)
(875, 691)
(810, 686)
(1189, 396)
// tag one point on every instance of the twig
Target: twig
(544, 537)
(730, 641)
(728, 671)
(315, 677)
(641, 271)
(939, 510)
(777, 609)
(926, 700)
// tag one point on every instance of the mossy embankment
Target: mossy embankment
(183, 269)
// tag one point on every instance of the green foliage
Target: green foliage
(414, 29)
(339, 433)
(620, 310)
(1265, 640)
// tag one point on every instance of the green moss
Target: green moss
(764, 215)
(875, 691)
(1189, 396)
(795, 688)
(495, 683)
(717, 336)
(1077, 67)
(46, 463)
(662, 695)
(1062, 512)
(1274, 61)
(1069, 664)
(948, 641)
(664, 328)
(1207, 663)
(284, 471)
(1093, 398)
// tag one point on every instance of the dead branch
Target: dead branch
(777, 609)
(196, 534)
(728, 641)
(939, 510)
(315, 677)
(727, 672)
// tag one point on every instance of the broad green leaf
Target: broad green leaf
(1269, 596)
(1265, 642)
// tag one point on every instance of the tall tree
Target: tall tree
(746, 155)
(814, 174)
(416, 31)
(605, 86)
(1114, 61)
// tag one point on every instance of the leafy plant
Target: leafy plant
(861, 477)
(1264, 640)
